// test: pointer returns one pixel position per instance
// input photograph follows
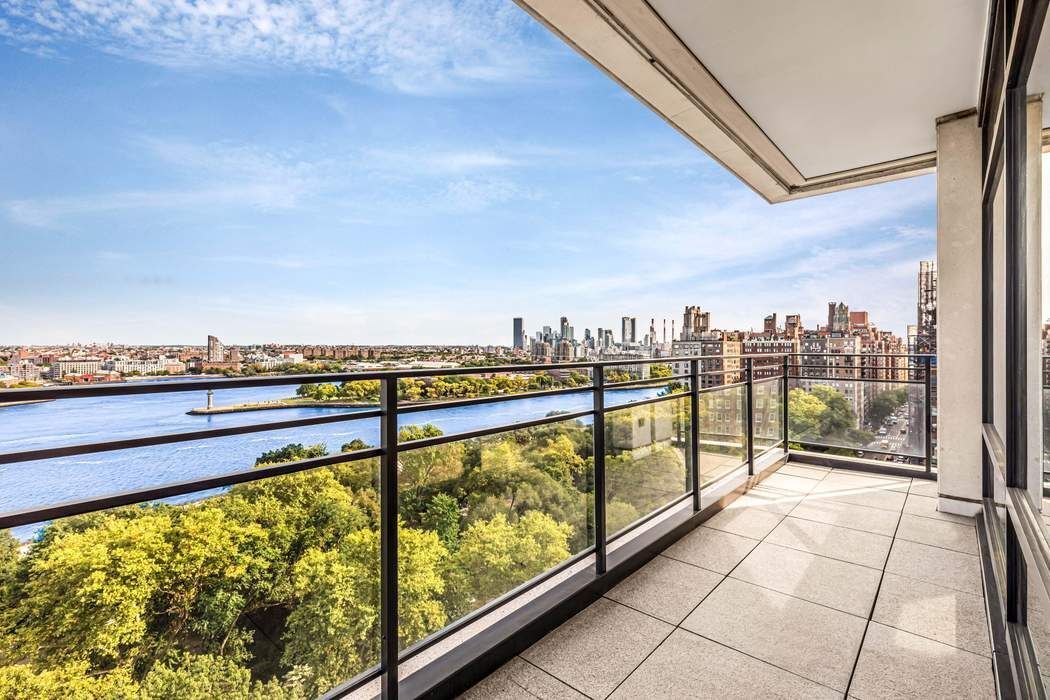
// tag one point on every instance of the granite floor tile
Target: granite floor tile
(837, 481)
(822, 510)
(855, 546)
(755, 523)
(870, 497)
(689, 666)
(599, 647)
(769, 499)
(665, 588)
(939, 533)
(897, 664)
(519, 680)
(927, 508)
(837, 584)
(804, 470)
(942, 614)
(935, 565)
(804, 638)
(787, 482)
(923, 487)
(711, 549)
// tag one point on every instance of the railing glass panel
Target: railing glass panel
(880, 420)
(723, 435)
(646, 459)
(481, 516)
(768, 412)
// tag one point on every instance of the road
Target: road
(899, 443)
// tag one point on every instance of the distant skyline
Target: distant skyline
(406, 173)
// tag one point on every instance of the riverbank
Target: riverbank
(277, 405)
(10, 404)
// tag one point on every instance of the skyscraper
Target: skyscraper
(519, 333)
(926, 309)
(838, 317)
(629, 329)
(216, 351)
(563, 328)
(695, 323)
(769, 324)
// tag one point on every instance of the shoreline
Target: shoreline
(30, 402)
(280, 404)
(276, 405)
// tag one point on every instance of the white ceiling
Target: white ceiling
(841, 84)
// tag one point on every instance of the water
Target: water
(46, 482)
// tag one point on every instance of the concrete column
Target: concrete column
(1036, 312)
(959, 315)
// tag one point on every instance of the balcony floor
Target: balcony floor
(816, 583)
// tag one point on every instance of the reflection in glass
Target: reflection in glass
(768, 413)
(647, 452)
(723, 438)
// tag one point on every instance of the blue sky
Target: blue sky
(378, 171)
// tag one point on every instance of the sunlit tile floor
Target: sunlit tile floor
(817, 583)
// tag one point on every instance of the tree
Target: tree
(442, 516)
(334, 629)
(354, 445)
(291, 453)
(88, 597)
(495, 555)
(204, 677)
(424, 469)
(660, 370)
(823, 414)
(65, 682)
(8, 565)
(210, 577)
(558, 458)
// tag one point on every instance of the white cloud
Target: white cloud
(473, 194)
(48, 211)
(283, 262)
(414, 46)
(426, 161)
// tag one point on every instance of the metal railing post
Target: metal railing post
(928, 411)
(388, 506)
(598, 384)
(694, 428)
(784, 416)
(749, 401)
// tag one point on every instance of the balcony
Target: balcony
(461, 528)
(790, 526)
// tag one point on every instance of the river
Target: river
(73, 421)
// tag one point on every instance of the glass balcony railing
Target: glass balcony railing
(380, 513)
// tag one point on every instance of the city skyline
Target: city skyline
(361, 195)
